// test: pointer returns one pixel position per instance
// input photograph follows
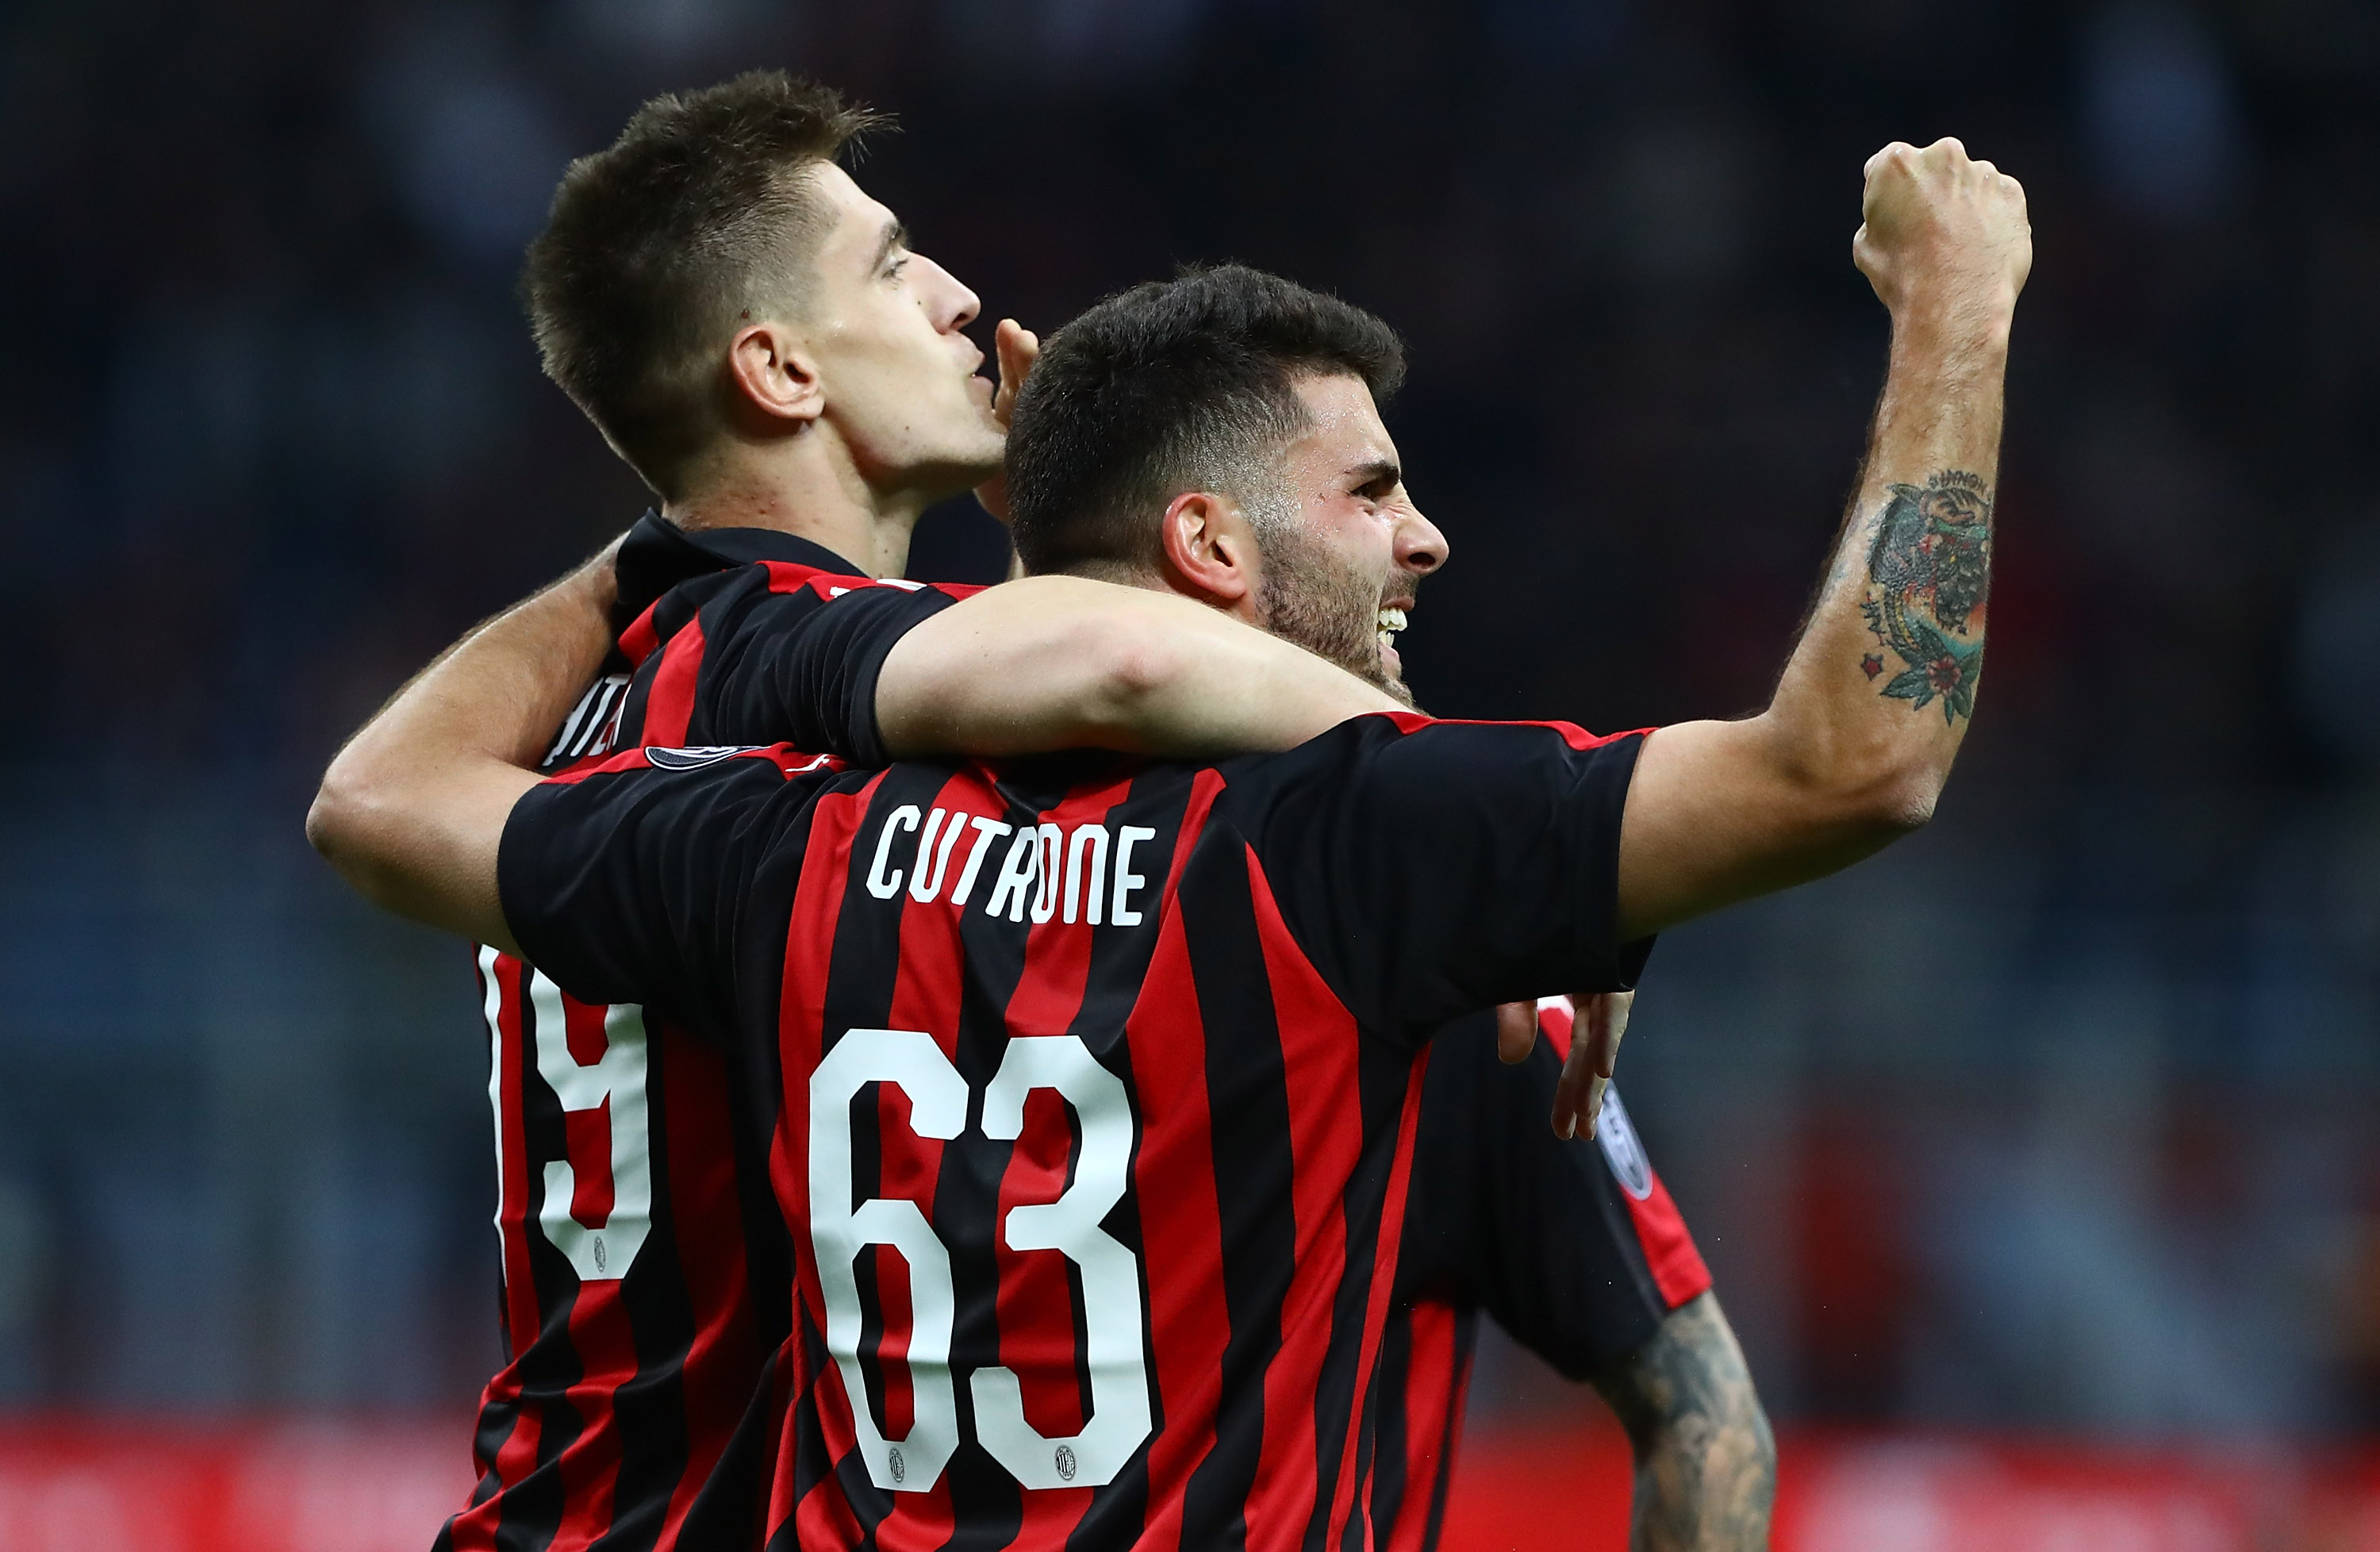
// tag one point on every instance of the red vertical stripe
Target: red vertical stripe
(823, 1520)
(926, 988)
(1034, 1300)
(1428, 1408)
(669, 703)
(1677, 1266)
(516, 1457)
(721, 1358)
(1320, 1053)
(590, 1463)
(1181, 1226)
(1345, 1499)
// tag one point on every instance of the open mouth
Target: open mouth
(1387, 624)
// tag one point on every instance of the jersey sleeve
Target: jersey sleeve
(801, 665)
(627, 882)
(1504, 1216)
(1431, 868)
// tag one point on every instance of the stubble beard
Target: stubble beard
(1306, 597)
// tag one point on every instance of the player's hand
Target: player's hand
(1601, 1020)
(1019, 348)
(1943, 235)
(1516, 1032)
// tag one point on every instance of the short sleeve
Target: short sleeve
(789, 667)
(1504, 1216)
(1432, 868)
(628, 883)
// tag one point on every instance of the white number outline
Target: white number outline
(604, 1253)
(1114, 1315)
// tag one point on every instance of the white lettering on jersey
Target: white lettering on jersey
(1113, 1323)
(1116, 1321)
(614, 1083)
(920, 890)
(1126, 881)
(986, 832)
(1014, 888)
(840, 1230)
(1047, 861)
(1050, 871)
(1094, 838)
(880, 884)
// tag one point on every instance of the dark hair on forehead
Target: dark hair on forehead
(701, 211)
(1186, 384)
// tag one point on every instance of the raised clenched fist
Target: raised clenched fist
(1943, 235)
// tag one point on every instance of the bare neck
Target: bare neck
(800, 489)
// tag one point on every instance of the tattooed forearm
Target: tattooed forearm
(1929, 571)
(1705, 1462)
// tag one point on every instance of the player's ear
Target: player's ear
(772, 373)
(1210, 550)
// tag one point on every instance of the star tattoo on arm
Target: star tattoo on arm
(1929, 572)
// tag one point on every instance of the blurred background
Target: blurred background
(2063, 1118)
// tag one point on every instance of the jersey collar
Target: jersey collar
(658, 555)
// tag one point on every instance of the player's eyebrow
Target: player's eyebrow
(1376, 471)
(896, 235)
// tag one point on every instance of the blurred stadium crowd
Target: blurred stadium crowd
(2060, 1116)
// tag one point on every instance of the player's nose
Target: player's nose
(1421, 549)
(950, 304)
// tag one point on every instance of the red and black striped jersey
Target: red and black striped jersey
(779, 683)
(645, 1267)
(1574, 1248)
(1096, 1088)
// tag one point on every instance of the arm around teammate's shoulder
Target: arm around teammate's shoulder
(410, 811)
(1055, 662)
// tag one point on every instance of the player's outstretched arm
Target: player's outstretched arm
(1706, 1460)
(1855, 746)
(411, 812)
(1061, 662)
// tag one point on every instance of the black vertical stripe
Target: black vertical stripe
(804, 1435)
(1392, 1374)
(862, 973)
(1247, 1100)
(1120, 959)
(987, 1505)
(1384, 1076)
(533, 1508)
(1450, 1422)
(649, 1410)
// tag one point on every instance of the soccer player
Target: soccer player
(754, 337)
(643, 1276)
(1314, 915)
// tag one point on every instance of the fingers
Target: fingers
(1577, 1093)
(1516, 1032)
(1594, 1056)
(1018, 348)
(1605, 1024)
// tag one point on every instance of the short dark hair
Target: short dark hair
(1174, 385)
(654, 247)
